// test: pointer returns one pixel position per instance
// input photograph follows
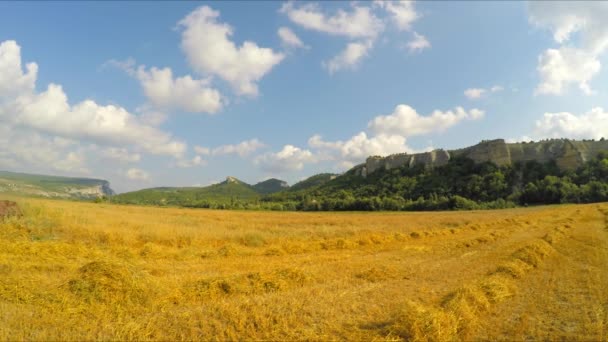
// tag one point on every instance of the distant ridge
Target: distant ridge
(568, 154)
(229, 191)
(53, 186)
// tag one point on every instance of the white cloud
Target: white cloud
(497, 88)
(593, 124)
(183, 93)
(474, 93)
(477, 93)
(290, 39)
(290, 158)
(358, 23)
(13, 81)
(349, 58)
(137, 174)
(166, 92)
(389, 135)
(407, 122)
(120, 154)
(205, 151)
(243, 148)
(418, 43)
(73, 162)
(207, 45)
(576, 61)
(559, 68)
(358, 147)
(402, 13)
(195, 161)
(50, 112)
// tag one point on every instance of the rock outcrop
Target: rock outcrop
(568, 155)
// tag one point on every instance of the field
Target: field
(84, 271)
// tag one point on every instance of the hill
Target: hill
(230, 193)
(567, 154)
(271, 186)
(461, 183)
(53, 186)
(313, 181)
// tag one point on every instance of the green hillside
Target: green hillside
(230, 192)
(271, 186)
(460, 184)
(53, 186)
(312, 181)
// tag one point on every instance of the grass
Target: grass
(84, 271)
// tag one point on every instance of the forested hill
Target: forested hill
(459, 184)
(497, 177)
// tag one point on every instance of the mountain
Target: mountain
(228, 192)
(567, 154)
(313, 181)
(53, 186)
(492, 174)
(271, 186)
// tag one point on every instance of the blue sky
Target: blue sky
(186, 93)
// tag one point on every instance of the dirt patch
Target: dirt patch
(9, 208)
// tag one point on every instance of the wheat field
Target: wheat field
(84, 271)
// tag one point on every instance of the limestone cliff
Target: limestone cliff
(568, 154)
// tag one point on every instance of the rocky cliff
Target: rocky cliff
(568, 154)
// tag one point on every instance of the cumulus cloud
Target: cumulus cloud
(406, 121)
(576, 61)
(13, 81)
(558, 68)
(418, 43)
(290, 158)
(242, 149)
(205, 151)
(474, 93)
(349, 58)
(120, 154)
(187, 163)
(592, 124)
(183, 93)
(209, 50)
(73, 162)
(137, 174)
(25, 149)
(358, 147)
(388, 135)
(50, 112)
(290, 39)
(358, 23)
(166, 92)
(477, 93)
(402, 13)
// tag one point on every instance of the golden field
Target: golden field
(83, 271)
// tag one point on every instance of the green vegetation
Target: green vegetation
(313, 181)
(53, 186)
(460, 185)
(271, 186)
(231, 193)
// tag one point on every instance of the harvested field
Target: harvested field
(79, 271)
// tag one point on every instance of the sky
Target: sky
(148, 94)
